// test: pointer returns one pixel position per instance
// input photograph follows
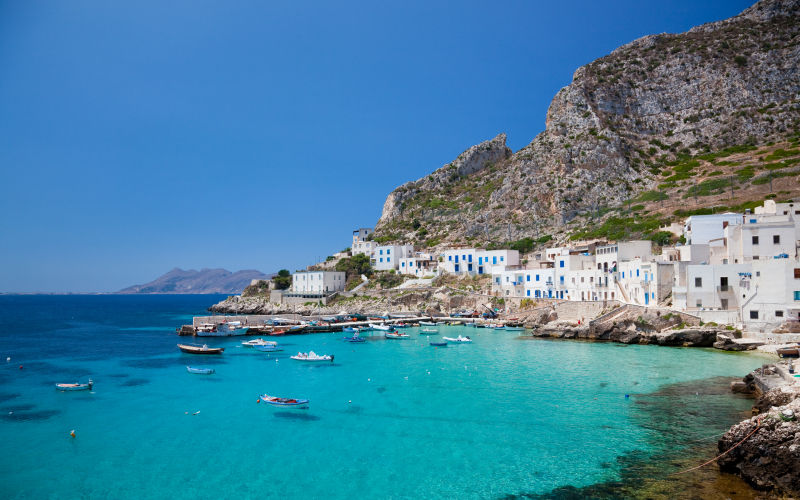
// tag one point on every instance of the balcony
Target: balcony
(724, 289)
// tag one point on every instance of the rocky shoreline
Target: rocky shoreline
(765, 450)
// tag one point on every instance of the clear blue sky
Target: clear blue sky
(140, 136)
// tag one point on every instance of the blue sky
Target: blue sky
(140, 136)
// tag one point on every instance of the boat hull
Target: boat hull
(299, 404)
(189, 349)
(200, 371)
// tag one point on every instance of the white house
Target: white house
(474, 261)
(419, 265)
(699, 229)
(360, 244)
(460, 261)
(317, 282)
(387, 257)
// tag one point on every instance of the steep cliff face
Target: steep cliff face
(630, 122)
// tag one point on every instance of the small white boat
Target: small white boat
(429, 331)
(258, 342)
(267, 348)
(396, 335)
(224, 329)
(312, 356)
(458, 339)
(75, 387)
(200, 371)
(284, 402)
(383, 328)
(427, 323)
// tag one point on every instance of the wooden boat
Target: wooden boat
(284, 402)
(75, 387)
(383, 328)
(312, 356)
(438, 344)
(396, 335)
(789, 352)
(458, 339)
(429, 331)
(200, 349)
(259, 342)
(200, 371)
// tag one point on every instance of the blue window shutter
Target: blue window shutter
(527, 277)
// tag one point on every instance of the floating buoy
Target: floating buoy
(8, 359)
(349, 400)
(258, 400)
(72, 433)
(627, 396)
(20, 367)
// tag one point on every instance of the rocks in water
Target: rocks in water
(765, 450)
(726, 343)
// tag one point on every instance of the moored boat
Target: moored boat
(224, 329)
(200, 371)
(383, 328)
(200, 349)
(268, 348)
(438, 344)
(401, 325)
(458, 339)
(284, 402)
(396, 335)
(312, 356)
(354, 339)
(514, 329)
(259, 342)
(351, 329)
(76, 387)
(427, 323)
(429, 331)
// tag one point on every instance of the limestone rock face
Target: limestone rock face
(720, 84)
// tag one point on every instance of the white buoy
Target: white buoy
(8, 359)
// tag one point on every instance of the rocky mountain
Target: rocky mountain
(202, 281)
(658, 128)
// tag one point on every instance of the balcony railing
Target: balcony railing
(724, 288)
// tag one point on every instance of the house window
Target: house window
(402, 264)
(469, 267)
(699, 303)
(698, 282)
(380, 252)
(755, 257)
(561, 280)
(480, 260)
(797, 295)
(637, 273)
(470, 258)
(797, 273)
(778, 314)
(527, 277)
(561, 263)
(581, 279)
(776, 238)
(388, 259)
(753, 314)
(506, 279)
(755, 240)
(410, 264)
(623, 274)
(381, 259)
(456, 268)
(528, 293)
(388, 251)
(494, 259)
(752, 221)
(537, 277)
(450, 258)
(502, 258)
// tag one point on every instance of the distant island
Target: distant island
(202, 281)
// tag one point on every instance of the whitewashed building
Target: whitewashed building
(360, 243)
(387, 257)
(700, 229)
(419, 265)
(474, 261)
(317, 282)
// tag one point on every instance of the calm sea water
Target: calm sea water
(389, 419)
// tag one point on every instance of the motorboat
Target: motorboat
(200, 349)
(383, 328)
(312, 356)
(427, 323)
(354, 339)
(458, 339)
(351, 329)
(284, 402)
(268, 348)
(258, 342)
(401, 325)
(429, 331)
(514, 329)
(76, 387)
(200, 371)
(438, 344)
(224, 329)
(396, 335)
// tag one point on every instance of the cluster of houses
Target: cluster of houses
(738, 269)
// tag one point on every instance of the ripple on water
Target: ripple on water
(135, 382)
(6, 396)
(30, 416)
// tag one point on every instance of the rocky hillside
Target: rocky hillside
(202, 281)
(649, 122)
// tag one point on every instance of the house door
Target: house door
(723, 303)
(646, 298)
(723, 284)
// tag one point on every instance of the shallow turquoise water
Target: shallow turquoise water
(390, 418)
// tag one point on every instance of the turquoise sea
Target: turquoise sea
(502, 417)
